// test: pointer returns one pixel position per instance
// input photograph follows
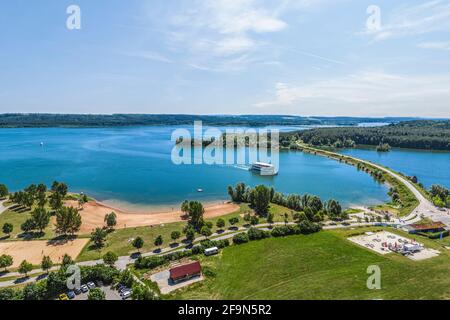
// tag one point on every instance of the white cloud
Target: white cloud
(366, 93)
(225, 27)
(149, 55)
(435, 45)
(430, 16)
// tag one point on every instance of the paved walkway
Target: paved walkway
(2, 207)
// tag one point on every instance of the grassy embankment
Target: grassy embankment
(324, 265)
(407, 198)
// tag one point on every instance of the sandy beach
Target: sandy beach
(93, 215)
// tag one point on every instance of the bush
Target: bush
(240, 238)
(96, 294)
(257, 234)
(99, 272)
(150, 262)
(308, 227)
(9, 294)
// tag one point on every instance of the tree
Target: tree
(25, 267)
(159, 241)
(175, 235)
(220, 223)
(315, 204)
(126, 278)
(270, 217)
(333, 209)
(41, 218)
(60, 188)
(261, 200)
(141, 292)
(68, 221)
(59, 191)
(3, 191)
(67, 260)
(195, 213)
(233, 221)
(6, 261)
(98, 236)
(110, 258)
(27, 226)
(96, 294)
(8, 228)
(189, 231)
(46, 263)
(41, 197)
(254, 220)
(111, 220)
(138, 243)
(185, 207)
(206, 232)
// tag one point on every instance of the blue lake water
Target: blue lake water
(133, 166)
(430, 167)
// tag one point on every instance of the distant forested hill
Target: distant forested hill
(422, 134)
(87, 120)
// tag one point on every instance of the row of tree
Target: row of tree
(261, 196)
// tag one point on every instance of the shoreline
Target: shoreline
(93, 214)
(136, 208)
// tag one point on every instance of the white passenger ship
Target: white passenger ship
(264, 169)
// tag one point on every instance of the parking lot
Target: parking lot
(386, 242)
(111, 294)
(83, 292)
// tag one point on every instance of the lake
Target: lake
(430, 167)
(132, 167)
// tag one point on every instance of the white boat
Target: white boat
(264, 169)
(199, 190)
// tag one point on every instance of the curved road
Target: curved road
(425, 207)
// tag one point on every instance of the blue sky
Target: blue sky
(302, 57)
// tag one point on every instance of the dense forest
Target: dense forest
(420, 134)
(15, 120)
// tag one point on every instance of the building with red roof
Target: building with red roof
(185, 272)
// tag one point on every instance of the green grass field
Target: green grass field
(320, 266)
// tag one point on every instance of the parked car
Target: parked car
(123, 290)
(84, 288)
(91, 285)
(71, 295)
(63, 297)
(77, 291)
(126, 295)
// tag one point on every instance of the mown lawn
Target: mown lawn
(16, 219)
(321, 266)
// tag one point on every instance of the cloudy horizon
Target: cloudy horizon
(291, 57)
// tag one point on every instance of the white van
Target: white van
(211, 251)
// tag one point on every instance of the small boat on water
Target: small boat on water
(264, 169)
(199, 190)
